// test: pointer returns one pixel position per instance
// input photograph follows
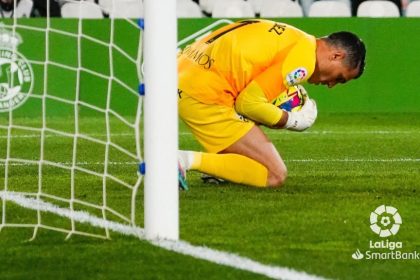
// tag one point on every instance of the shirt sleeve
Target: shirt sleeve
(295, 68)
(299, 64)
(253, 104)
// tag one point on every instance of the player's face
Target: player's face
(331, 71)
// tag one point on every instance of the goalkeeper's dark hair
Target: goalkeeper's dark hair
(354, 47)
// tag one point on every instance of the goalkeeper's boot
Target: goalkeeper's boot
(182, 177)
(208, 179)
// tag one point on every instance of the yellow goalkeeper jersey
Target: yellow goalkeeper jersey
(215, 69)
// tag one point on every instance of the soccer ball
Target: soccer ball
(292, 99)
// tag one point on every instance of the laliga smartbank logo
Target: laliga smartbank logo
(385, 221)
(16, 75)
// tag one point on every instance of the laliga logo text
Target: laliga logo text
(385, 221)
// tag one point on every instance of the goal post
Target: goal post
(71, 111)
(160, 120)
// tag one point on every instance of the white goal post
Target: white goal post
(82, 71)
(161, 120)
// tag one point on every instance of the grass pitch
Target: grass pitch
(339, 171)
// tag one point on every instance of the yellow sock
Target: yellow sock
(196, 160)
(232, 167)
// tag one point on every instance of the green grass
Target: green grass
(339, 171)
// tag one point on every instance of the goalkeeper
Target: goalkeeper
(227, 81)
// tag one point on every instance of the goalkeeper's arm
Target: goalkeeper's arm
(253, 104)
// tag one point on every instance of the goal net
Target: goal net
(70, 125)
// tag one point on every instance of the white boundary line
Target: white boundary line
(57, 135)
(337, 132)
(304, 160)
(356, 160)
(182, 247)
(316, 132)
(82, 163)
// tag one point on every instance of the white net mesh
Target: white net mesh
(70, 116)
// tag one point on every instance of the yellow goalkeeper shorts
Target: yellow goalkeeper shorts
(216, 127)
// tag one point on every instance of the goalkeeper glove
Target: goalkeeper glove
(304, 118)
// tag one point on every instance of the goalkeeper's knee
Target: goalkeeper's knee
(277, 178)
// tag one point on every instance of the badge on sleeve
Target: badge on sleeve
(296, 76)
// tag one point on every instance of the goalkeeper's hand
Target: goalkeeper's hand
(304, 118)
